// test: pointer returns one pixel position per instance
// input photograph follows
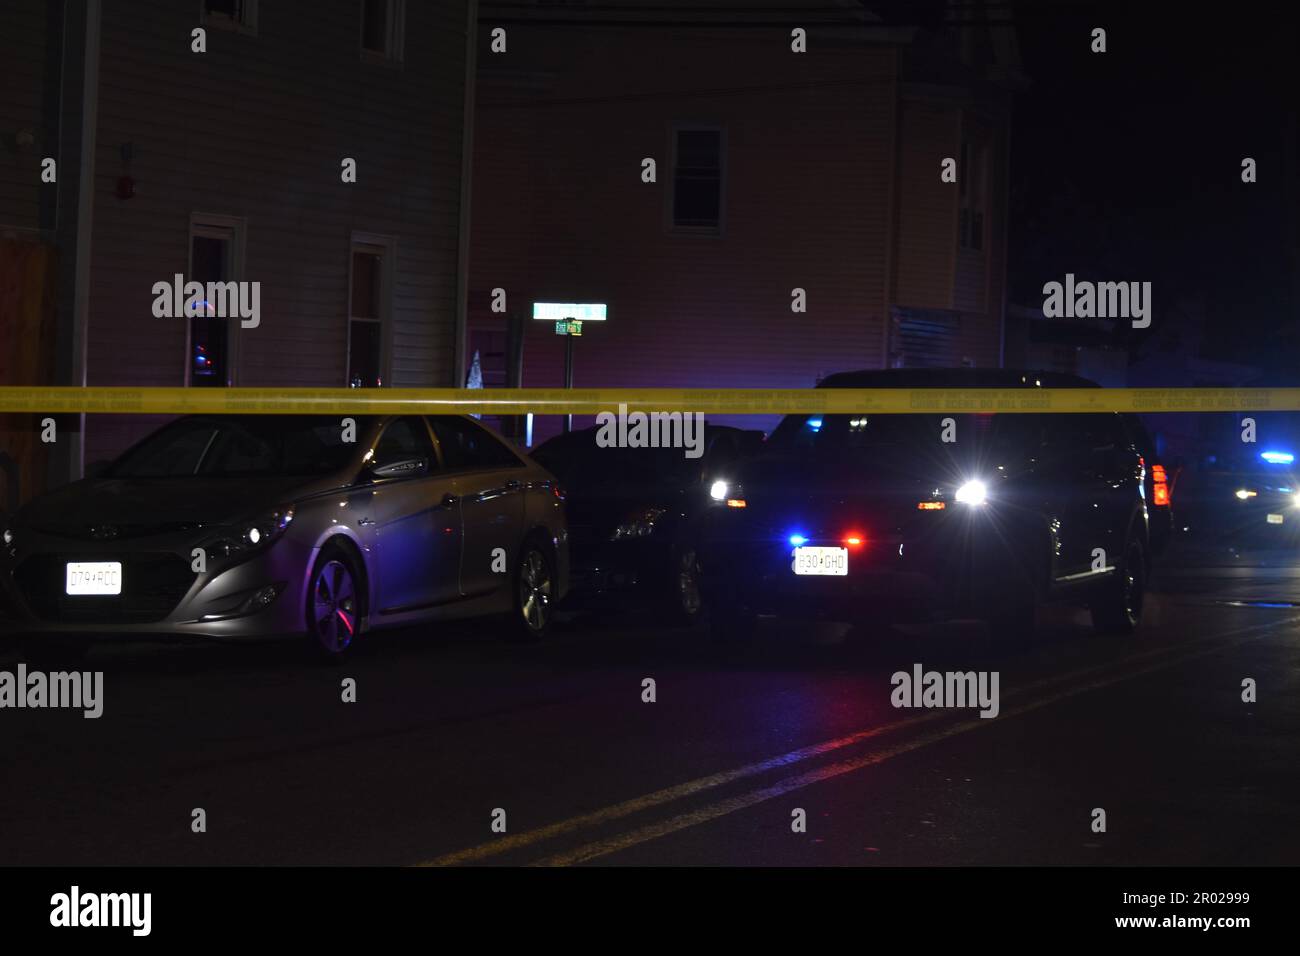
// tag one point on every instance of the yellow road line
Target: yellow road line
(500, 401)
(616, 811)
(722, 808)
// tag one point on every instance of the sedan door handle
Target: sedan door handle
(365, 521)
(448, 500)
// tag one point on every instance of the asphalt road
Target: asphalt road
(451, 725)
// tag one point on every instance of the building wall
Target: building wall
(256, 128)
(831, 184)
(561, 212)
(927, 206)
(28, 81)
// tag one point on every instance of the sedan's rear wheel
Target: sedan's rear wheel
(333, 604)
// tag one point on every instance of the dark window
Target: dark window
(697, 179)
(382, 28)
(404, 439)
(255, 446)
(1086, 432)
(238, 14)
(209, 332)
(467, 446)
(367, 280)
(364, 352)
(176, 451)
(972, 183)
(365, 323)
(915, 438)
(587, 468)
(724, 450)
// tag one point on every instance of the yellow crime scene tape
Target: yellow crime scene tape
(729, 401)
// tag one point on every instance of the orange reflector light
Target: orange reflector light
(1158, 473)
(736, 503)
(1161, 493)
(931, 505)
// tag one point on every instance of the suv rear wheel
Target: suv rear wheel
(1117, 608)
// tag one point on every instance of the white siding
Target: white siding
(256, 128)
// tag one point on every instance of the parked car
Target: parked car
(250, 526)
(1244, 497)
(866, 517)
(635, 515)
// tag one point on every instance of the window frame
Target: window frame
(394, 52)
(234, 230)
(245, 24)
(671, 223)
(386, 248)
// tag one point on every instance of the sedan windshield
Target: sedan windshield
(254, 446)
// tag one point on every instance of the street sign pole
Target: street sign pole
(568, 318)
(568, 375)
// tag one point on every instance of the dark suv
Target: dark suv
(863, 516)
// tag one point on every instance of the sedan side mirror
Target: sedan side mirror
(403, 468)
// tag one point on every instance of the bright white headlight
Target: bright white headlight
(718, 490)
(973, 493)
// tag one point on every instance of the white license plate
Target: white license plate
(1276, 519)
(814, 560)
(94, 577)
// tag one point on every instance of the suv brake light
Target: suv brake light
(1160, 481)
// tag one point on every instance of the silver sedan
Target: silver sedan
(252, 526)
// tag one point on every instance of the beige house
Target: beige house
(233, 164)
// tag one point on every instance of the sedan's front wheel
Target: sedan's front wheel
(534, 592)
(333, 604)
(685, 602)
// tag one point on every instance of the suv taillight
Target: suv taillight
(1160, 481)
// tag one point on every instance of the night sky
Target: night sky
(1127, 165)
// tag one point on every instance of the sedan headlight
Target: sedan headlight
(251, 535)
(8, 536)
(718, 490)
(973, 493)
(639, 526)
